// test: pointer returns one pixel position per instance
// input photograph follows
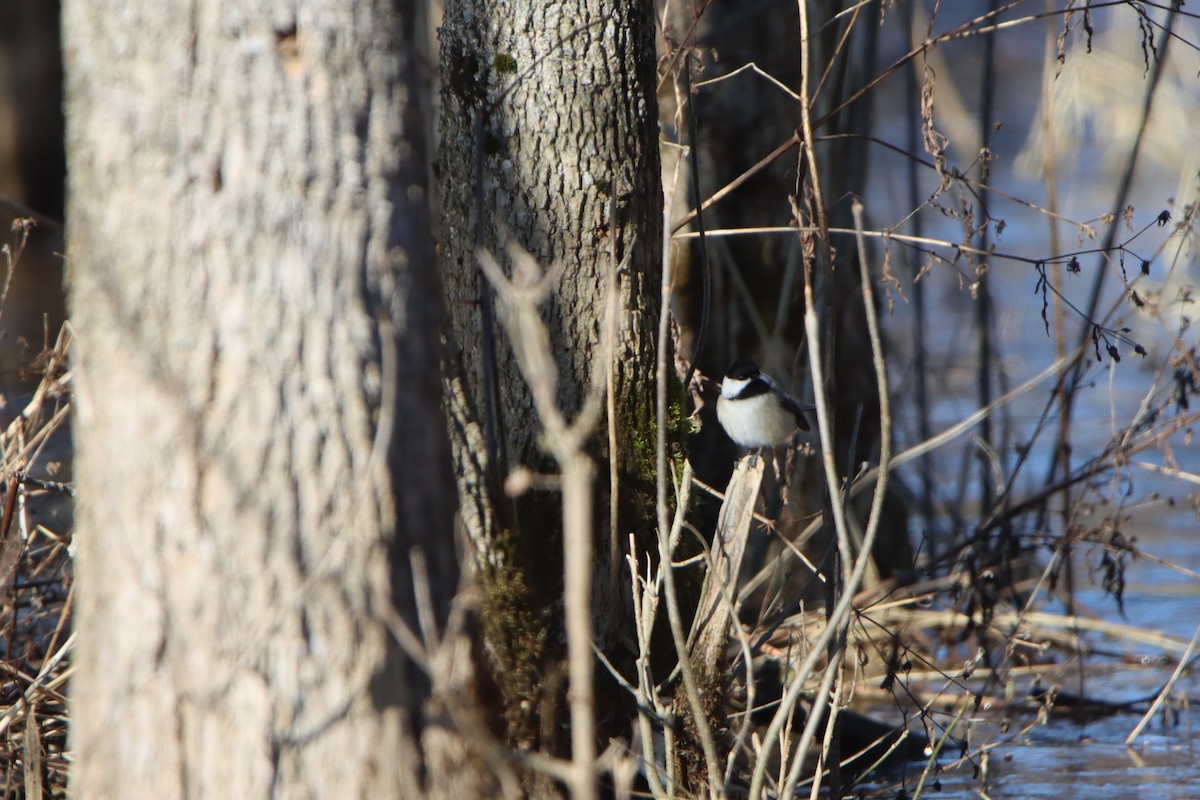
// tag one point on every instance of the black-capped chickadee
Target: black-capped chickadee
(754, 411)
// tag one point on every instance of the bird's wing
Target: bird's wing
(797, 409)
(789, 402)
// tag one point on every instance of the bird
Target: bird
(754, 411)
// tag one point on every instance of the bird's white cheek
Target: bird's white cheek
(732, 387)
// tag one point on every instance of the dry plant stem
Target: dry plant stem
(520, 299)
(31, 749)
(63, 617)
(12, 254)
(883, 757)
(660, 582)
(578, 474)
(27, 697)
(662, 375)
(758, 71)
(886, 235)
(963, 708)
(690, 687)
(614, 472)
(645, 610)
(1172, 472)
(840, 619)
(653, 588)
(1050, 166)
(807, 153)
(830, 727)
(1166, 690)
(839, 51)
(823, 698)
(1026, 624)
(1138, 552)
(49, 386)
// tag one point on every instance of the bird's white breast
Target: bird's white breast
(758, 421)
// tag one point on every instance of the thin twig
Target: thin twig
(27, 697)
(674, 617)
(519, 299)
(614, 463)
(812, 330)
(885, 463)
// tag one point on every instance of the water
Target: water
(1061, 758)
(1066, 759)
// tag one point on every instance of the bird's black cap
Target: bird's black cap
(743, 369)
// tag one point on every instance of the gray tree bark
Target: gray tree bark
(557, 101)
(260, 443)
(565, 95)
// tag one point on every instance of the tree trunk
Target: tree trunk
(260, 445)
(557, 102)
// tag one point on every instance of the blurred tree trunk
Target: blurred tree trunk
(260, 443)
(565, 99)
